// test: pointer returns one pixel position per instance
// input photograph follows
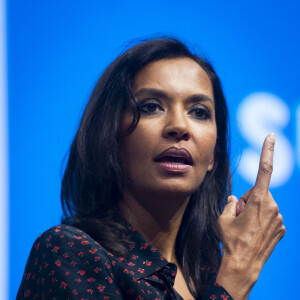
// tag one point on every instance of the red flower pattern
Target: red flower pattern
(83, 269)
(55, 248)
(81, 272)
(109, 280)
(80, 253)
(101, 288)
(144, 245)
(63, 284)
(58, 263)
(148, 263)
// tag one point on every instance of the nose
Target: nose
(176, 127)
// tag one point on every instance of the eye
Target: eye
(200, 113)
(150, 107)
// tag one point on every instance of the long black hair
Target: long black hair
(90, 186)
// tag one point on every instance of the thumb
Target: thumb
(230, 207)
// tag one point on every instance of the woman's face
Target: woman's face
(172, 147)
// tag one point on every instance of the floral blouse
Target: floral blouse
(66, 263)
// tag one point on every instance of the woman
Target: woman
(144, 188)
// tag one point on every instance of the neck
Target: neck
(156, 217)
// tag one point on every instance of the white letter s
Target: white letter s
(260, 114)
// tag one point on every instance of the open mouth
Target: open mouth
(175, 156)
(174, 160)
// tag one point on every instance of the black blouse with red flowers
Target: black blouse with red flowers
(66, 263)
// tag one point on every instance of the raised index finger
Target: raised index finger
(266, 164)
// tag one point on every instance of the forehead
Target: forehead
(179, 75)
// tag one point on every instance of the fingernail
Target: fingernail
(272, 137)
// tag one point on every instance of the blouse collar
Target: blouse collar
(144, 259)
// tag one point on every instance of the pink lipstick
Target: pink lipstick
(174, 159)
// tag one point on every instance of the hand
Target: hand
(249, 230)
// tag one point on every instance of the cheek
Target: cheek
(206, 144)
(136, 148)
(212, 142)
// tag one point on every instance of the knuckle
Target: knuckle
(254, 276)
(257, 198)
(280, 218)
(266, 167)
(257, 201)
(275, 210)
(270, 147)
(256, 194)
(283, 230)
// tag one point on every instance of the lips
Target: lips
(175, 155)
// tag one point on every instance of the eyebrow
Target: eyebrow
(151, 92)
(161, 94)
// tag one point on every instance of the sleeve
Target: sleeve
(67, 264)
(217, 292)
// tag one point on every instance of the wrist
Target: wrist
(236, 279)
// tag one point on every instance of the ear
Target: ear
(211, 163)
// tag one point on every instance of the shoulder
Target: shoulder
(67, 241)
(64, 234)
(65, 260)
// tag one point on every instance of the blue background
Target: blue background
(58, 49)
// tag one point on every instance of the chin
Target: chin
(175, 190)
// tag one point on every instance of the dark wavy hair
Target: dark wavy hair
(90, 185)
